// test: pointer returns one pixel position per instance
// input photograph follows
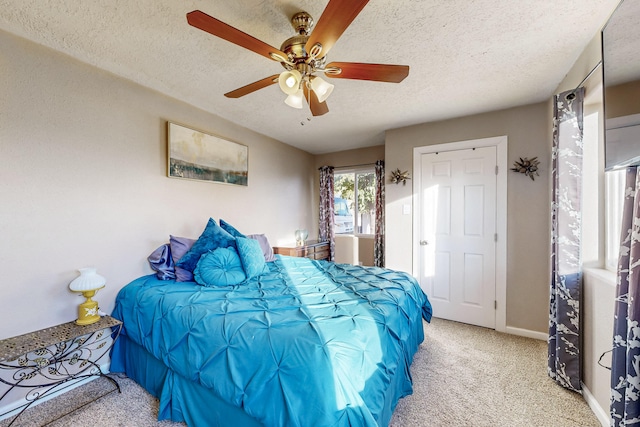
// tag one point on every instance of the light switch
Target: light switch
(406, 209)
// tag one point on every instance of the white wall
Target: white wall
(83, 183)
(599, 292)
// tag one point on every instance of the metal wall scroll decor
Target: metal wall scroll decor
(398, 177)
(529, 167)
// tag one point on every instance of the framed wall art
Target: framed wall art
(193, 154)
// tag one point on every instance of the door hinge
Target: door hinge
(496, 169)
(495, 237)
(495, 304)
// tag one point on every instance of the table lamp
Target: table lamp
(301, 237)
(88, 283)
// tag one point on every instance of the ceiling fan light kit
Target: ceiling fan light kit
(321, 88)
(304, 55)
(295, 100)
(289, 81)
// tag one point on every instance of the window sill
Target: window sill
(605, 276)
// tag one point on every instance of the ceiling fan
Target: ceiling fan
(304, 55)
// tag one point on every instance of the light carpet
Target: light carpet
(463, 376)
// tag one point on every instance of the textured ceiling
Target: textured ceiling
(466, 57)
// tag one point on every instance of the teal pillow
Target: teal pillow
(220, 267)
(230, 229)
(251, 256)
(213, 237)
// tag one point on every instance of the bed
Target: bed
(302, 343)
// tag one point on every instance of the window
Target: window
(614, 202)
(355, 201)
(600, 198)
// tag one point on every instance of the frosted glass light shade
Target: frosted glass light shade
(295, 100)
(301, 237)
(289, 81)
(88, 280)
(321, 88)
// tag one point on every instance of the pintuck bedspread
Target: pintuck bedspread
(310, 343)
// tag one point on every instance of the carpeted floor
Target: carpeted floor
(463, 376)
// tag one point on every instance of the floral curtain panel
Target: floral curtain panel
(625, 361)
(378, 245)
(326, 217)
(566, 270)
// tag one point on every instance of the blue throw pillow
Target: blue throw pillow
(230, 229)
(220, 267)
(267, 250)
(213, 237)
(251, 256)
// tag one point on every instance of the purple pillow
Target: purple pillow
(162, 263)
(179, 247)
(267, 250)
(212, 237)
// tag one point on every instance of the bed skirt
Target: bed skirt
(181, 400)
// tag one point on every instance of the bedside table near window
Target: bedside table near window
(36, 365)
(312, 249)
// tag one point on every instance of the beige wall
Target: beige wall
(84, 183)
(359, 156)
(528, 129)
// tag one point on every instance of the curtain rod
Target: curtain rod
(351, 166)
(355, 166)
(593, 70)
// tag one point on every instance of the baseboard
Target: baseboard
(527, 333)
(600, 413)
(13, 408)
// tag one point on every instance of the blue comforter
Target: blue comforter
(311, 343)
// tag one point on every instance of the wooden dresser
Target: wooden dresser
(312, 249)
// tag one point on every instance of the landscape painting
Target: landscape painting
(197, 155)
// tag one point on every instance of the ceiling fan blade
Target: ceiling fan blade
(334, 20)
(317, 108)
(252, 87)
(218, 28)
(375, 72)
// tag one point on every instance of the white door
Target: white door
(457, 230)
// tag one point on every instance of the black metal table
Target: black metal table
(37, 364)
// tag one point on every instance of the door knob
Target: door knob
(423, 243)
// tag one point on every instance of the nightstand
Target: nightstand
(38, 364)
(312, 249)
